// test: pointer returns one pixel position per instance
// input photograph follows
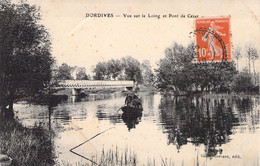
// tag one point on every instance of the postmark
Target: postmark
(212, 37)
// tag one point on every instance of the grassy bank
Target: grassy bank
(108, 158)
(26, 146)
(114, 157)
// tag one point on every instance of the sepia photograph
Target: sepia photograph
(129, 83)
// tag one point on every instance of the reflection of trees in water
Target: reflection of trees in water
(60, 118)
(248, 112)
(198, 120)
(150, 100)
(244, 104)
(108, 113)
(114, 118)
(91, 97)
(95, 97)
(148, 103)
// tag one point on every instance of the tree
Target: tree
(177, 72)
(132, 69)
(100, 71)
(249, 51)
(65, 72)
(254, 57)
(251, 55)
(25, 57)
(237, 55)
(81, 74)
(114, 68)
(147, 73)
(242, 82)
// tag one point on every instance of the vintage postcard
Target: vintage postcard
(143, 83)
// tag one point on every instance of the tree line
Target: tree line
(176, 72)
(126, 68)
(66, 72)
(250, 53)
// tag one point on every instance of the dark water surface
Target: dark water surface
(213, 130)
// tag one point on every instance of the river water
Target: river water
(204, 130)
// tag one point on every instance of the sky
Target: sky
(84, 41)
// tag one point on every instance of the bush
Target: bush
(243, 83)
(26, 146)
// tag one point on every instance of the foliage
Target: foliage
(81, 74)
(237, 54)
(147, 73)
(25, 58)
(177, 72)
(64, 72)
(127, 68)
(114, 68)
(132, 69)
(251, 55)
(100, 71)
(243, 82)
(26, 146)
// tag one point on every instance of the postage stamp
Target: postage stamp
(213, 39)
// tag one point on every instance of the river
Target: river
(202, 130)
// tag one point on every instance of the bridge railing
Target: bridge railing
(94, 83)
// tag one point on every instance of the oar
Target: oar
(120, 108)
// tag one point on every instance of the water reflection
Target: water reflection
(92, 97)
(198, 120)
(113, 118)
(212, 124)
(131, 117)
(248, 112)
(244, 104)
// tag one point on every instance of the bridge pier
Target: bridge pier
(129, 88)
(75, 92)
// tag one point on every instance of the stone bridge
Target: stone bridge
(79, 86)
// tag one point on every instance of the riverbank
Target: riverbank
(206, 94)
(226, 95)
(25, 145)
(127, 157)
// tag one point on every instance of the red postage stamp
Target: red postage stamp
(213, 39)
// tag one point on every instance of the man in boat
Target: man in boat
(128, 100)
(132, 100)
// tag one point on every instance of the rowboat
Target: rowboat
(131, 110)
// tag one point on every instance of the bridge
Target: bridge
(79, 86)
